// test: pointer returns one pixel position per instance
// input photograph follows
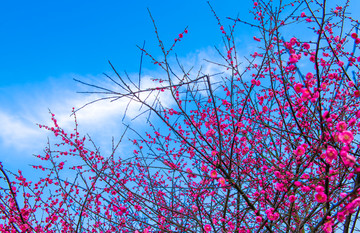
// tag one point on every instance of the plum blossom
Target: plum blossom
(297, 183)
(340, 63)
(305, 189)
(258, 219)
(191, 174)
(300, 150)
(346, 137)
(292, 198)
(349, 160)
(319, 188)
(328, 227)
(271, 215)
(222, 181)
(309, 75)
(207, 227)
(352, 122)
(320, 197)
(341, 126)
(298, 87)
(204, 168)
(231, 225)
(279, 187)
(341, 216)
(305, 93)
(213, 174)
(294, 58)
(331, 153)
(305, 176)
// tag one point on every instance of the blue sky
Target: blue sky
(43, 39)
(45, 44)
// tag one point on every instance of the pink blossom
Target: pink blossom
(204, 168)
(356, 202)
(352, 122)
(294, 58)
(349, 160)
(331, 153)
(305, 176)
(257, 39)
(350, 208)
(299, 151)
(191, 174)
(306, 46)
(298, 87)
(297, 183)
(258, 219)
(279, 187)
(341, 216)
(341, 126)
(342, 195)
(293, 41)
(320, 197)
(305, 93)
(213, 174)
(325, 114)
(264, 109)
(292, 198)
(309, 75)
(357, 93)
(207, 227)
(346, 137)
(305, 189)
(343, 153)
(273, 217)
(277, 174)
(231, 225)
(222, 181)
(319, 188)
(340, 63)
(328, 227)
(214, 221)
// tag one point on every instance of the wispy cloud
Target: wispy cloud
(18, 133)
(103, 119)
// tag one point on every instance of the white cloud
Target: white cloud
(102, 119)
(17, 132)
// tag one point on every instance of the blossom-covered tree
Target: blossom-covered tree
(268, 145)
